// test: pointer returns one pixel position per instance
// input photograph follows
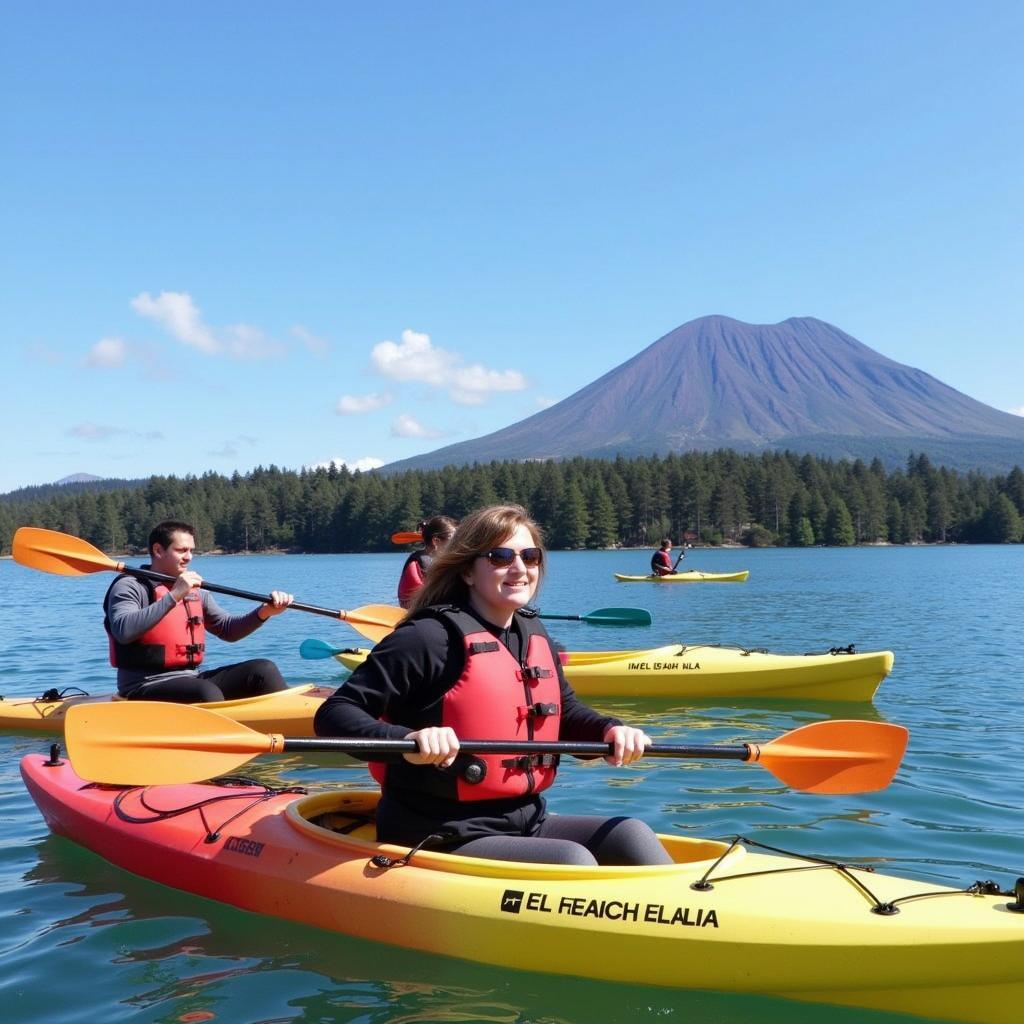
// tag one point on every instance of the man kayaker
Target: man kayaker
(471, 659)
(157, 632)
(436, 532)
(661, 560)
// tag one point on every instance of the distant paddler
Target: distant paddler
(661, 560)
(435, 533)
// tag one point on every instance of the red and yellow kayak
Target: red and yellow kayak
(723, 916)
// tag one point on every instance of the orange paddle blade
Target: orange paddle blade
(836, 756)
(59, 553)
(151, 743)
(374, 621)
(410, 537)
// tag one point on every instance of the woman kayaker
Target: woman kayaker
(157, 632)
(471, 659)
(436, 532)
(661, 560)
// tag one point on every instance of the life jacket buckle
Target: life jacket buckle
(525, 762)
(533, 672)
(538, 710)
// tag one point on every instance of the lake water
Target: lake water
(83, 941)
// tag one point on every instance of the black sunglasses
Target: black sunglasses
(502, 558)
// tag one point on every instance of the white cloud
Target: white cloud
(406, 426)
(232, 446)
(351, 405)
(318, 346)
(417, 359)
(182, 319)
(1019, 411)
(101, 432)
(178, 314)
(472, 384)
(544, 402)
(245, 342)
(364, 464)
(107, 352)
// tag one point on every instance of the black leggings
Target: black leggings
(244, 679)
(580, 839)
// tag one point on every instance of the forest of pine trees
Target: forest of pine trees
(760, 500)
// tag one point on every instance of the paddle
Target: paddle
(408, 537)
(609, 617)
(317, 650)
(64, 555)
(150, 743)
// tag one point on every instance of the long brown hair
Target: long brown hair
(479, 532)
(436, 526)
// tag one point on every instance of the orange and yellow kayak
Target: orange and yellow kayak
(723, 916)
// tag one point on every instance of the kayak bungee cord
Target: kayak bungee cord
(687, 648)
(264, 793)
(885, 908)
(52, 695)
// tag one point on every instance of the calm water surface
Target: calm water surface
(83, 941)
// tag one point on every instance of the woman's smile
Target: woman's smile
(496, 592)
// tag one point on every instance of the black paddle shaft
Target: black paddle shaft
(344, 745)
(231, 592)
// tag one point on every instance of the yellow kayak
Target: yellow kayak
(690, 576)
(724, 916)
(289, 711)
(705, 671)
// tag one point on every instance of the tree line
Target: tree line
(776, 498)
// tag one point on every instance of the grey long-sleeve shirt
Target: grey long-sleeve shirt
(130, 614)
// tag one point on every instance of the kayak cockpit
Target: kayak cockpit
(346, 819)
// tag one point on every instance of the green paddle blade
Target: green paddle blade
(609, 617)
(619, 616)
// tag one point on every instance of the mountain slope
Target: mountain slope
(720, 383)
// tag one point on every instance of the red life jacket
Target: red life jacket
(178, 640)
(415, 568)
(661, 560)
(496, 698)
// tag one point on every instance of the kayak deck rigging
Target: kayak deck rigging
(351, 817)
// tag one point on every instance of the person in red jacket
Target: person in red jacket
(157, 631)
(661, 560)
(473, 659)
(436, 532)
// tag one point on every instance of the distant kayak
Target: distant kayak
(705, 671)
(289, 711)
(690, 576)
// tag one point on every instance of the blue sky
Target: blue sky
(254, 233)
